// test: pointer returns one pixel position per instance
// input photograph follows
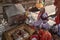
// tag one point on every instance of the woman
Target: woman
(42, 16)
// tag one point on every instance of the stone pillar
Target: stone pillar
(57, 4)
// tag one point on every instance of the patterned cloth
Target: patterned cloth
(45, 26)
(38, 23)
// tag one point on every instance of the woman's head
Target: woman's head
(42, 10)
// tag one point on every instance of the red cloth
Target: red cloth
(44, 35)
(57, 19)
(34, 36)
(57, 4)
